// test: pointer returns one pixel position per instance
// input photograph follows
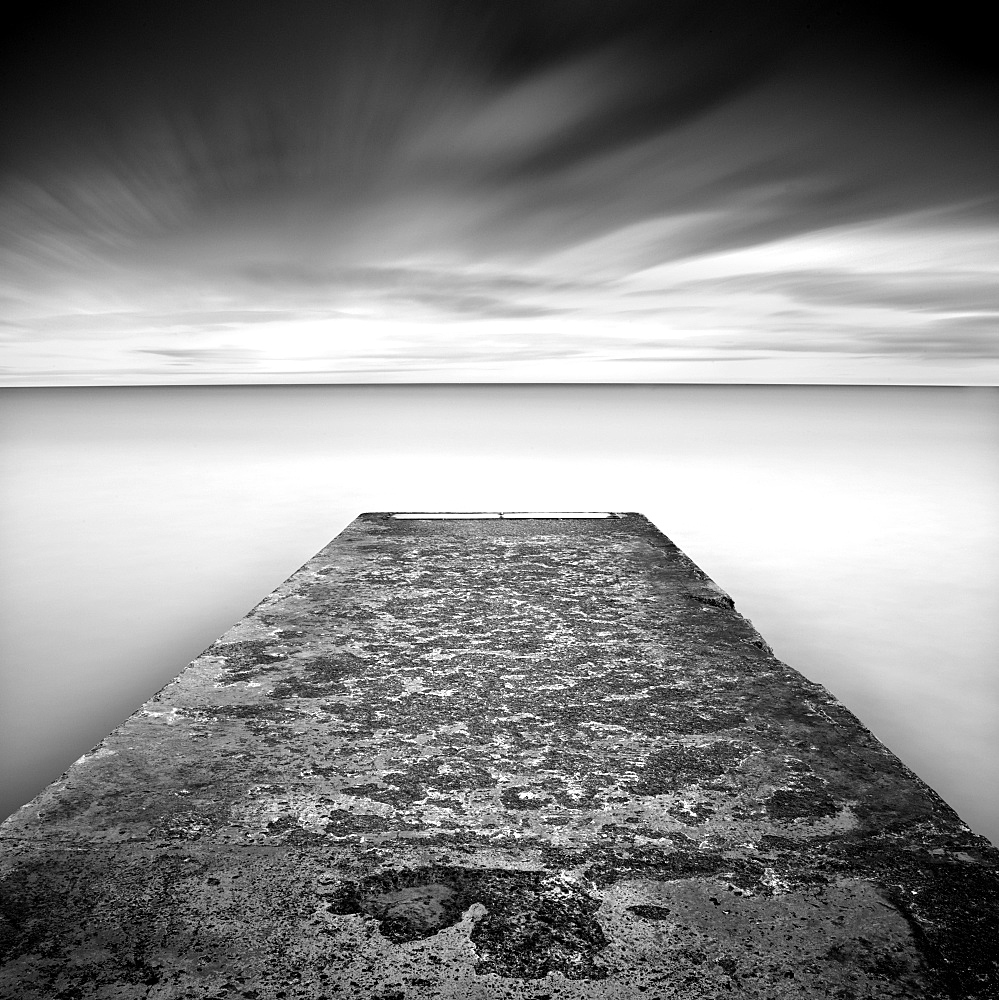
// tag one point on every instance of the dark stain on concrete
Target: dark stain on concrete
(649, 912)
(527, 924)
(321, 675)
(679, 765)
(801, 802)
(528, 759)
(244, 661)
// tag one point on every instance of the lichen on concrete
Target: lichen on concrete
(532, 757)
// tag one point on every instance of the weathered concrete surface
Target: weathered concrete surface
(494, 758)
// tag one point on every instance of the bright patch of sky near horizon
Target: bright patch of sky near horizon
(393, 192)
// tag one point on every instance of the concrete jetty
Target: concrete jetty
(494, 756)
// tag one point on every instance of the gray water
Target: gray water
(856, 527)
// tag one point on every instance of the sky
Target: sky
(553, 190)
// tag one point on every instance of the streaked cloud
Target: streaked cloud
(225, 357)
(524, 185)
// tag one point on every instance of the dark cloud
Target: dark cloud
(908, 291)
(196, 357)
(961, 337)
(196, 107)
(958, 337)
(375, 65)
(477, 306)
(445, 293)
(296, 275)
(667, 357)
(213, 108)
(201, 168)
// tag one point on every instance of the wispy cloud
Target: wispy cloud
(224, 357)
(591, 178)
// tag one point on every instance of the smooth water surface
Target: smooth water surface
(856, 527)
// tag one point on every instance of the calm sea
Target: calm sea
(856, 527)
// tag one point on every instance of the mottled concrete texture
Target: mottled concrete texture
(494, 757)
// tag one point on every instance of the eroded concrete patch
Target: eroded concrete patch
(527, 924)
